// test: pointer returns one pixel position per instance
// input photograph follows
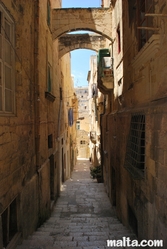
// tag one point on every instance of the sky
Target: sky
(80, 58)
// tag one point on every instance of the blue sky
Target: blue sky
(80, 3)
(80, 58)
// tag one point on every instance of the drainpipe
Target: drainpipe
(101, 137)
(36, 82)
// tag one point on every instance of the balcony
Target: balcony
(105, 79)
(93, 137)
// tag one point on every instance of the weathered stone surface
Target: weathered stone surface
(69, 42)
(30, 169)
(82, 228)
(97, 20)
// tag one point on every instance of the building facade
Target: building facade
(38, 112)
(36, 92)
(95, 110)
(82, 124)
(134, 124)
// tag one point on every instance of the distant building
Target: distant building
(82, 123)
(95, 109)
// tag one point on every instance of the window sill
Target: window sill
(50, 96)
(136, 173)
(15, 241)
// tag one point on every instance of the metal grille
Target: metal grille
(135, 154)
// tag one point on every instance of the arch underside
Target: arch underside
(66, 30)
(61, 53)
(70, 42)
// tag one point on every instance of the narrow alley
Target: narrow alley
(82, 217)
(110, 108)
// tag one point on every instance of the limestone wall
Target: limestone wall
(140, 202)
(29, 146)
(17, 132)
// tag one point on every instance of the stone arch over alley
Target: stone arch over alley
(93, 19)
(70, 42)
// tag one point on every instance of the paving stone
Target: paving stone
(82, 217)
(65, 243)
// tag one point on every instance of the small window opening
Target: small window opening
(9, 223)
(82, 142)
(49, 80)
(50, 141)
(78, 125)
(119, 39)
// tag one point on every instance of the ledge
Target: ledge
(136, 173)
(14, 241)
(50, 96)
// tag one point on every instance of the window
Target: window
(119, 39)
(78, 125)
(49, 79)
(135, 154)
(50, 141)
(9, 223)
(7, 82)
(143, 7)
(82, 142)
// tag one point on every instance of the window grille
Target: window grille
(135, 153)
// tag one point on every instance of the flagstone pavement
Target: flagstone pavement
(82, 218)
